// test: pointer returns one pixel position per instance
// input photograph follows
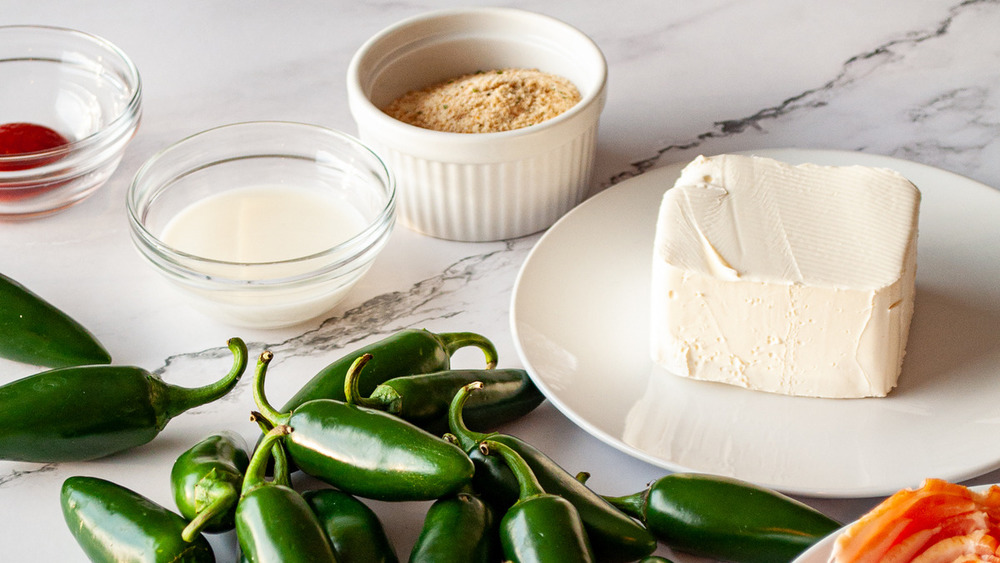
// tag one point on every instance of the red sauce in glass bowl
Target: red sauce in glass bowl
(22, 138)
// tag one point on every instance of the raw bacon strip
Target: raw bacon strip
(906, 550)
(940, 522)
(977, 546)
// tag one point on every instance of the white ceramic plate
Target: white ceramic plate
(579, 317)
(821, 552)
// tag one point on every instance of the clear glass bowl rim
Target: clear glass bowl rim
(122, 123)
(352, 248)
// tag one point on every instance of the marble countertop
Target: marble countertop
(916, 81)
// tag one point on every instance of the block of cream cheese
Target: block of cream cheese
(787, 279)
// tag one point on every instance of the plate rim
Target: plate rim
(848, 157)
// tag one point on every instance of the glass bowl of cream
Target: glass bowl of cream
(263, 224)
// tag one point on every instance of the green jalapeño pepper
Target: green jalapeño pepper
(206, 481)
(113, 523)
(460, 528)
(614, 535)
(34, 331)
(274, 524)
(405, 353)
(727, 519)
(366, 452)
(87, 412)
(354, 530)
(539, 527)
(423, 399)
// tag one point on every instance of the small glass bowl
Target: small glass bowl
(282, 156)
(78, 85)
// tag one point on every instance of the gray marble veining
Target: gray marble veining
(912, 80)
(953, 122)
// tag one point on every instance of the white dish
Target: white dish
(820, 552)
(823, 550)
(579, 320)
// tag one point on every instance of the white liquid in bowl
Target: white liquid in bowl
(255, 229)
(262, 224)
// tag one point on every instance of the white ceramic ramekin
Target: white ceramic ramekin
(480, 186)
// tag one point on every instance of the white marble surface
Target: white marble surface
(914, 80)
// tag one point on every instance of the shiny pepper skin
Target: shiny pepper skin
(614, 536)
(206, 480)
(406, 352)
(727, 519)
(87, 412)
(36, 332)
(366, 452)
(539, 527)
(460, 528)
(112, 523)
(355, 532)
(274, 524)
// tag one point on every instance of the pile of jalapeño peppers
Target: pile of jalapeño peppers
(391, 422)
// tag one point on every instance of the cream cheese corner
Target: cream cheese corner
(787, 279)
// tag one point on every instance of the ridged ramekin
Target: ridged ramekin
(480, 186)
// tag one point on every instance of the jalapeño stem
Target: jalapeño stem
(351, 391)
(526, 480)
(634, 505)
(222, 503)
(255, 475)
(467, 439)
(180, 399)
(454, 340)
(269, 413)
(282, 469)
